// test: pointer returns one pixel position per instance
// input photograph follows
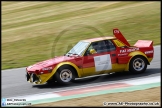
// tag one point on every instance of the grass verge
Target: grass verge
(30, 29)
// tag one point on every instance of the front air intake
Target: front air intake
(27, 76)
(34, 78)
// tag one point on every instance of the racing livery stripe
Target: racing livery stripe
(93, 89)
(144, 81)
(124, 86)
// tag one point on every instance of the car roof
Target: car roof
(99, 39)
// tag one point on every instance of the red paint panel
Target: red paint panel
(92, 89)
(147, 49)
(77, 61)
(119, 36)
(123, 60)
(88, 61)
(143, 43)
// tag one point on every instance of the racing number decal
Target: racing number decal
(116, 31)
(102, 62)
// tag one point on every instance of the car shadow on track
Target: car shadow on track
(112, 77)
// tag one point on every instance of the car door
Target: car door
(101, 61)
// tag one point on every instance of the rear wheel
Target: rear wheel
(65, 74)
(138, 64)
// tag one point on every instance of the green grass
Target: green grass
(29, 30)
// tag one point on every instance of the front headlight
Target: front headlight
(30, 67)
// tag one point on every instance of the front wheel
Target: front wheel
(65, 75)
(138, 64)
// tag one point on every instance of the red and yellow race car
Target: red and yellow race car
(93, 57)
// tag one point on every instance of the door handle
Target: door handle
(113, 54)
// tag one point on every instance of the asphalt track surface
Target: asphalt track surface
(14, 81)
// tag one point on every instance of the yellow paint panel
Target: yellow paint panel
(137, 53)
(118, 67)
(134, 54)
(43, 76)
(150, 59)
(115, 68)
(87, 71)
(59, 65)
(118, 43)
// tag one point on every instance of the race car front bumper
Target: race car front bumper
(33, 78)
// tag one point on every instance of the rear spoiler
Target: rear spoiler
(143, 43)
(119, 36)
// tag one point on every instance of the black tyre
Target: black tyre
(51, 81)
(138, 64)
(65, 74)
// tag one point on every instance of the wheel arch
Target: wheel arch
(72, 65)
(58, 66)
(68, 65)
(135, 54)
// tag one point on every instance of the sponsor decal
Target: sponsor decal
(102, 62)
(148, 52)
(129, 50)
(122, 54)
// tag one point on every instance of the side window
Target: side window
(105, 46)
(101, 46)
(88, 50)
(110, 45)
